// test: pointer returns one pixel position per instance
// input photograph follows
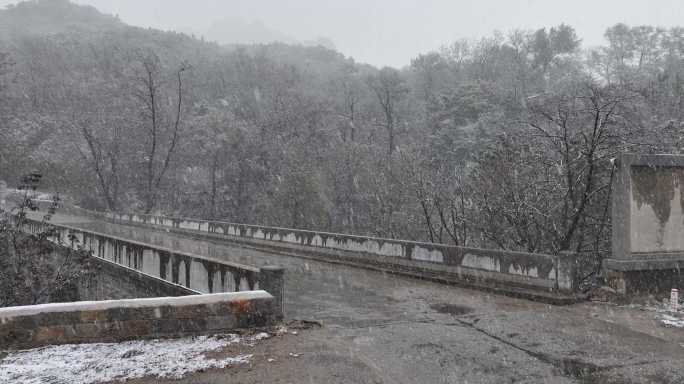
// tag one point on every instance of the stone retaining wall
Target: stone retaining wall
(119, 320)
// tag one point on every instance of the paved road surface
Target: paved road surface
(380, 328)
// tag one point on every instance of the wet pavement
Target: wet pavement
(403, 330)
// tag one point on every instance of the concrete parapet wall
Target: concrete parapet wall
(112, 281)
(194, 273)
(119, 320)
(535, 271)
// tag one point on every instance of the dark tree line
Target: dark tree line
(500, 142)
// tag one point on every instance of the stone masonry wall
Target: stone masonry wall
(119, 320)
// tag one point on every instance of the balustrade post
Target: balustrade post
(272, 280)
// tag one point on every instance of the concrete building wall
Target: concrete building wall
(647, 224)
(648, 206)
(657, 211)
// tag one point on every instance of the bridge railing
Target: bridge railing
(556, 273)
(198, 273)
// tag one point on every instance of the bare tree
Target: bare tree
(162, 127)
(389, 89)
(32, 269)
(443, 196)
(546, 187)
(5, 134)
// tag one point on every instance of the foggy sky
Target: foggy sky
(391, 32)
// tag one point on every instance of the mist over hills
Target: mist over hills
(54, 16)
(235, 31)
(63, 24)
(49, 17)
(467, 145)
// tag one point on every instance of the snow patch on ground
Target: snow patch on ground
(664, 313)
(261, 336)
(95, 363)
(672, 321)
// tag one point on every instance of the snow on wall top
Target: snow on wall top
(30, 310)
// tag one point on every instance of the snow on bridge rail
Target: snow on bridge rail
(197, 273)
(552, 278)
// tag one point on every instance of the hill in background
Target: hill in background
(40, 17)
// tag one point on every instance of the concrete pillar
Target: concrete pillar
(272, 280)
(567, 278)
(3, 196)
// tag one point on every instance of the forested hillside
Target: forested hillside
(503, 142)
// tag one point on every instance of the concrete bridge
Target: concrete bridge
(385, 325)
(541, 277)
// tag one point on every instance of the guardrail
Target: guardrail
(484, 267)
(198, 273)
